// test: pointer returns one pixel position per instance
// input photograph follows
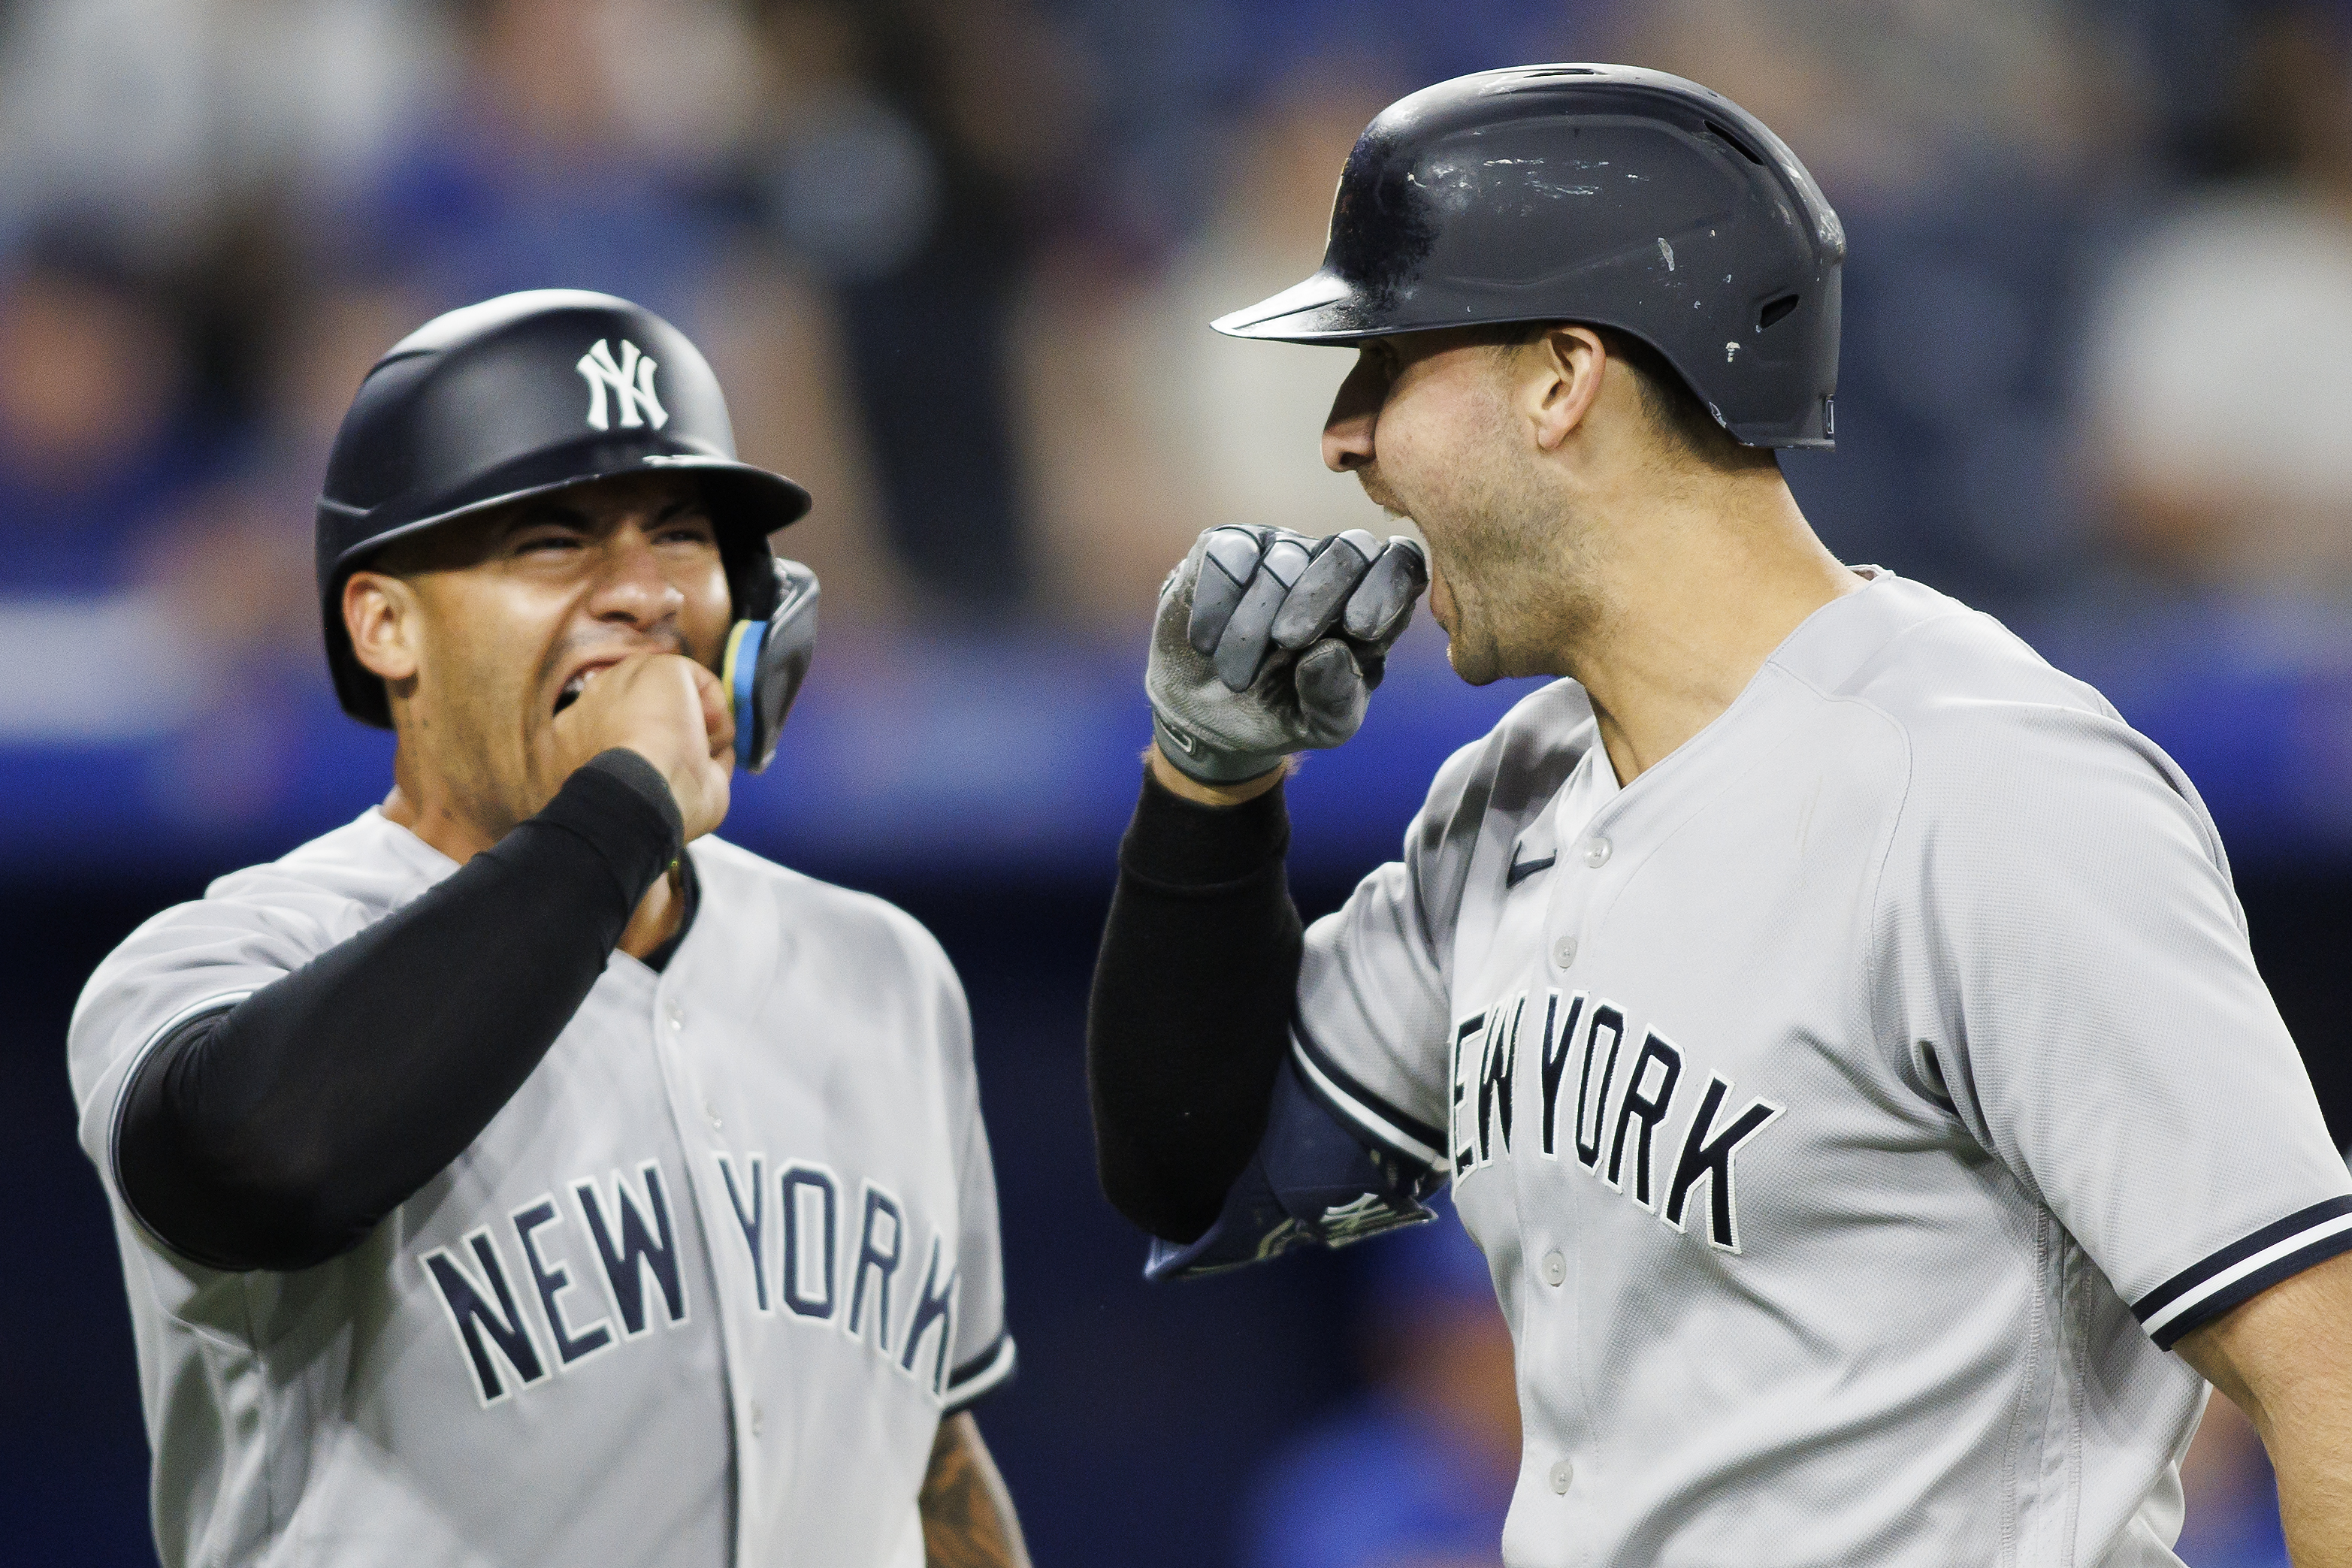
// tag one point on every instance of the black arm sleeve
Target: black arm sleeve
(1190, 1011)
(276, 1135)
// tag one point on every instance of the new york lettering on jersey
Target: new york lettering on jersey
(1582, 1107)
(567, 1278)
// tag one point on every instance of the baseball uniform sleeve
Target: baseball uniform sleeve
(980, 1352)
(1369, 1033)
(2069, 975)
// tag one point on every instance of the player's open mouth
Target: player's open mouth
(578, 684)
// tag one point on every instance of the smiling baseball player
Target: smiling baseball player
(1837, 1024)
(519, 1174)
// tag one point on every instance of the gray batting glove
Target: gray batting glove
(1269, 643)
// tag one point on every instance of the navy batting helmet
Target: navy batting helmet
(522, 395)
(1605, 194)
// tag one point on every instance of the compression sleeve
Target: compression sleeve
(278, 1133)
(1189, 1022)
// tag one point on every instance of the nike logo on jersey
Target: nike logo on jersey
(1620, 1100)
(1522, 870)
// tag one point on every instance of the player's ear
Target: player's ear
(1559, 380)
(380, 612)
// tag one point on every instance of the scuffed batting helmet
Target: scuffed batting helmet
(1606, 195)
(520, 396)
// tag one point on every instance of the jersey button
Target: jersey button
(1563, 952)
(758, 1420)
(1555, 1267)
(1596, 853)
(712, 1112)
(1561, 1474)
(676, 1014)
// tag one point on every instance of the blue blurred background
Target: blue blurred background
(953, 261)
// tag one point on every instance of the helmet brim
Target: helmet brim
(1328, 308)
(751, 496)
(1324, 309)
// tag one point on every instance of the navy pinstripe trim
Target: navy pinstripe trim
(1409, 1134)
(2243, 1270)
(984, 1374)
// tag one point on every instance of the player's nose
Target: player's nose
(630, 584)
(1348, 432)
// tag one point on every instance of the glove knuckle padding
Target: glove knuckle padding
(1242, 650)
(1383, 602)
(1316, 600)
(1222, 564)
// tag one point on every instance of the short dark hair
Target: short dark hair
(1674, 408)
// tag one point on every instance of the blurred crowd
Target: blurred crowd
(939, 254)
(954, 262)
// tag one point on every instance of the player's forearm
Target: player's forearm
(1192, 1003)
(968, 1516)
(278, 1134)
(2284, 1357)
(2308, 1432)
(2315, 1505)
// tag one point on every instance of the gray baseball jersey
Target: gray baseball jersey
(1854, 1109)
(698, 1295)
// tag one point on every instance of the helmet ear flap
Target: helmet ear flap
(750, 567)
(766, 662)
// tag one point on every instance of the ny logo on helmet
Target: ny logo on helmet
(631, 382)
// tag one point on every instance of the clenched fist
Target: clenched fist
(667, 708)
(1268, 643)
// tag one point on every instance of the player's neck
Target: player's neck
(1696, 591)
(435, 816)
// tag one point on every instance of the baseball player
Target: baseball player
(1837, 1024)
(520, 1174)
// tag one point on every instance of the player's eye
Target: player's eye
(547, 542)
(685, 525)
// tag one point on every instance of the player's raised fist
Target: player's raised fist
(664, 707)
(1269, 643)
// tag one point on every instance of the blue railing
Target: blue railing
(1016, 758)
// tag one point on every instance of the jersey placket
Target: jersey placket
(697, 1122)
(1560, 1466)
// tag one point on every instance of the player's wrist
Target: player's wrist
(1182, 841)
(628, 766)
(621, 807)
(1187, 785)
(1198, 758)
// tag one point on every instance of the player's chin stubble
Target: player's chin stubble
(486, 736)
(1496, 538)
